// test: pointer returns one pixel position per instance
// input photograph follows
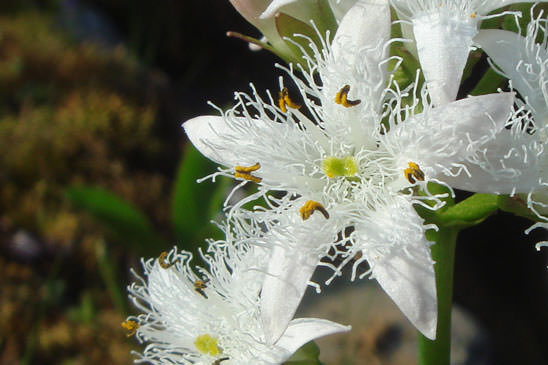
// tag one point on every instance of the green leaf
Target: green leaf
(324, 19)
(127, 224)
(288, 26)
(193, 204)
(470, 211)
(308, 354)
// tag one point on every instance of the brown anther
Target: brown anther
(163, 263)
(285, 101)
(200, 285)
(310, 207)
(131, 327)
(413, 173)
(243, 172)
(342, 98)
(218, 362)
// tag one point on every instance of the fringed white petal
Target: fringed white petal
(279, 148)
(443, 43)
(341, 7)
(510, 164)
(521, 60)
(395, 247)
(365, 25)
(285, 284)
(440, 138)
(303, 330)
(357, 59)
(408, 278)
(210, 134)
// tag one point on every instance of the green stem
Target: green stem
(443, 252)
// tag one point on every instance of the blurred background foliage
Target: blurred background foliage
(95, 172)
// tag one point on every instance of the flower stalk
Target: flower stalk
(438, 352)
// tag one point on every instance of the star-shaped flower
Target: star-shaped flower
(211, 316)
(516, 160)
(351, 158)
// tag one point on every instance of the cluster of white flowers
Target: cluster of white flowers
(342, 156)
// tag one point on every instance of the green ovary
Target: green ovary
(207, 345)
(334, 166)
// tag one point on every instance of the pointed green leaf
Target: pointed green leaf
(193, 204)
(288, 26)
(324, 19)
(126, 223)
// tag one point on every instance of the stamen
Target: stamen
(285, 101)
(163, 263)
(207, 345)
(243, 172)
(310, 207)
(218, 362)
(342, 98)
(334, 166)
(131, 327)
(413, 172)
(200, 285)
(473, 15)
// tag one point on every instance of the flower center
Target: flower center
(207, 345)
(334, 166)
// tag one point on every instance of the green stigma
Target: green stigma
(334, 166)
(207, 345)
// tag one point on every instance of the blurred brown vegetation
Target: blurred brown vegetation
(70, 113)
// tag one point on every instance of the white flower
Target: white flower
(519, 152)
(351, 159)
(211, 316)
(443, 31)
(525, 63)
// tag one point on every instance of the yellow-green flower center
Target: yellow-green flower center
(207, 345)
(334, 166)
